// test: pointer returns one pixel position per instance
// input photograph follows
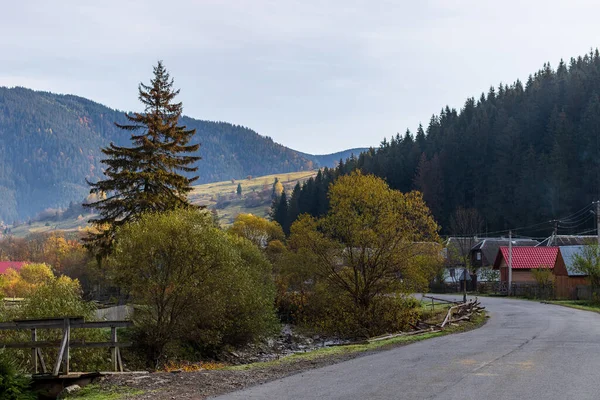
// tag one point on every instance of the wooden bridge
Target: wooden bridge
(65, 344)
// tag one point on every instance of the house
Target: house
(484, 253)
(568, 278)
(456, 251)
(6, 265)
(568, 240)
(524, 260)
(457, 248)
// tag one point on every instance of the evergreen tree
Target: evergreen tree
(281, 212)
(145, 177)
(293, 207)
(239, 190)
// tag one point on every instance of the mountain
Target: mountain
(522, 155)
(50, 144)
(331, 160)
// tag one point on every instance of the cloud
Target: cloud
(317, 76)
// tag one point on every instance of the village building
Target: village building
(524, 260)
(568, 240)
(6, 265)
(567, 279)
(483, 254)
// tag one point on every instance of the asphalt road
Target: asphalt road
(527, 350)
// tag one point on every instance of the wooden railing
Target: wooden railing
(65, 344)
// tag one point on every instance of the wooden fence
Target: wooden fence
(65, 344)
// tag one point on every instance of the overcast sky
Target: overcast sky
(317, 76)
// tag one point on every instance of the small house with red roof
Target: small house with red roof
(525, 259)
(6, 265)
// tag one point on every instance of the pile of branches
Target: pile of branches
(462, 312)
(459, 311)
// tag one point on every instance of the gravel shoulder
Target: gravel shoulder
(204, 384)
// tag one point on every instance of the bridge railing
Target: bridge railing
(65, 343)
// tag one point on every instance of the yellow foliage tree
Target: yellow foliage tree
(374, 242)
(277, 188)
(256, 229)
(25, 281)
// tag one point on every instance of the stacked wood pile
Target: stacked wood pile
(462, 312)
(458, 311)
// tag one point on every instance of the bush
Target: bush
(56, 297)
(333, 313)
(196, 288)
(13, 385)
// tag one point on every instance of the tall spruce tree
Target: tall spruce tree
(146, 177)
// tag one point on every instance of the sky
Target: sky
(316, 76)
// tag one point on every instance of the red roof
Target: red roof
(527, 257)
(5, 265)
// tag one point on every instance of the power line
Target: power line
(576, 223)
(577, 213)
(574, 226)
(571, 221)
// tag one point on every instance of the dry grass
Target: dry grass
(206, 195)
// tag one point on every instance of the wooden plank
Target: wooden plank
(47, 323)
(113, 350)
(120, 360)
(34, 351)
(79, 344)
(42, 362)
(61, 353)
(67, 349)
(59, 325)
(442, 300)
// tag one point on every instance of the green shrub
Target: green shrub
(196, 288)
(334, 313)
(59, 297)
(13, 385)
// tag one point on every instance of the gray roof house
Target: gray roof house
(484, 253)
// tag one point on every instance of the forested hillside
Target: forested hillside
(49, 145)
(521, 154)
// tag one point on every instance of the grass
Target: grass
(96, 392)
(207, 195)
(585, 305)
(476, 322)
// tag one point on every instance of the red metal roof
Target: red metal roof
(16, 265)
(528, 257)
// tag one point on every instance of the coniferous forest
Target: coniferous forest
(520, 154)
(50, 144)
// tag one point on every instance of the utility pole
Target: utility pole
(509, 262)
(598, 221)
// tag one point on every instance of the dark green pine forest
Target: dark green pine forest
(50, 144)
(520, 154)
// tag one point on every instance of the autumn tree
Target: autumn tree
(192, 283)
(588, 262)
(25, 281)
(257, 230)
(148, 176)
(369, 244)
(277, 189)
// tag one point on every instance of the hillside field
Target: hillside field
(221, 196)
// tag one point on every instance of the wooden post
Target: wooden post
(64, 349)
(34, 351)
(67, 355)
(113, 350)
